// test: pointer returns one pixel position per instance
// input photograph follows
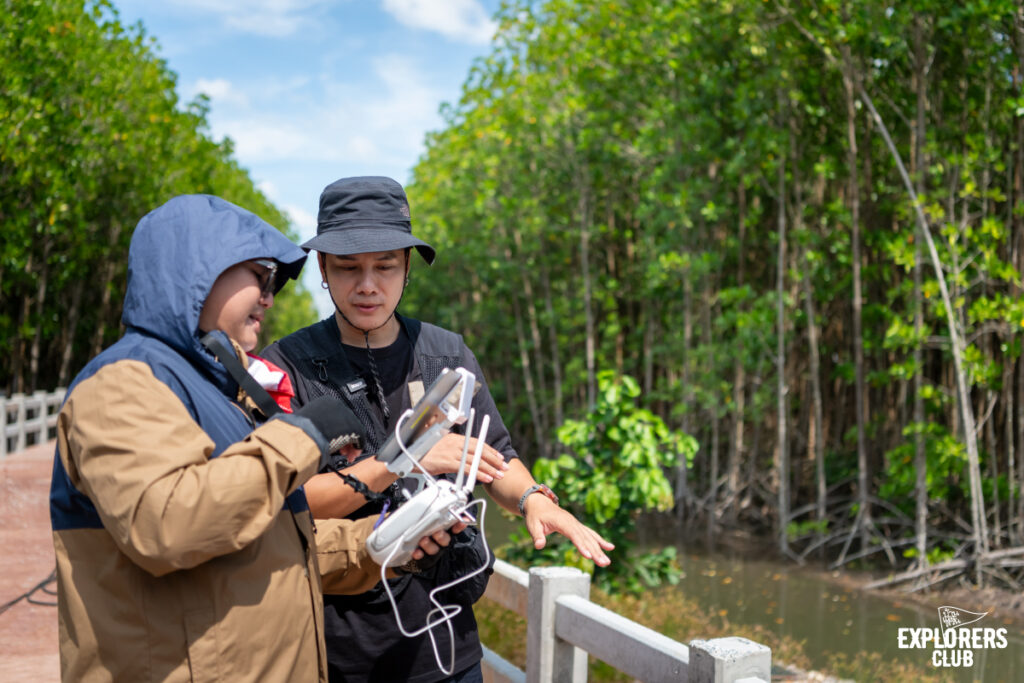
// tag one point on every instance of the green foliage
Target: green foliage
(946, 461)
(605, 196)
(940, 553)
(615, 470)
(797, 530)
(92, 137)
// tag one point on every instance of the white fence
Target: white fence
(562, 626)
(28, 419)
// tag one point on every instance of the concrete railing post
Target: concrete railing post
(550, 659)
(3, 426)
(20, 437)
(729, 660)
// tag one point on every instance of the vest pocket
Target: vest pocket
(201, 632)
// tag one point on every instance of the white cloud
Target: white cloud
(268, 189)
(259, 139)
(329, 120)
(304, 221)
(219, 90)
(277, 18)
(461, 20)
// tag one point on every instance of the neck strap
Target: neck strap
(249, 385)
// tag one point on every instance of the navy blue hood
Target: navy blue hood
(176, 254)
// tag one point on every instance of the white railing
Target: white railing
(562, 626)
(28, 419)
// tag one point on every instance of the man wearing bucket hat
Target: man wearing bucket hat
(378, 362)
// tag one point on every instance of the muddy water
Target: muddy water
(815, 607)
(830, 618)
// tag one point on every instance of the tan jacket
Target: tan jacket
(199, 570)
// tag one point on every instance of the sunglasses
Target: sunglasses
(268, 277)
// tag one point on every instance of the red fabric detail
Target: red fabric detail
(283, 393)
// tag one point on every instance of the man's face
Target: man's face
(237, 303)
(366, 287)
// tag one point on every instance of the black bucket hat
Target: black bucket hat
(363, 214)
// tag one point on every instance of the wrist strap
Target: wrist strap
(360, 487)
(541, 488)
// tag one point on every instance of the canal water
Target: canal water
(831, 618)
(816, 607)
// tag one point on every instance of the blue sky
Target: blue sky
(314, 90)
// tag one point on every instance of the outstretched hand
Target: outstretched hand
(544, 517)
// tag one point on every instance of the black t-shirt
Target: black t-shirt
(394, 364)
(363, 641)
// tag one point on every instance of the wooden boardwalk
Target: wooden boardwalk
(28, 631)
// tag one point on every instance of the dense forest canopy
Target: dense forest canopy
(797, 224)
(92, 137)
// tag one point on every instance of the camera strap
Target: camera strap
(266, 403)
(260, 396)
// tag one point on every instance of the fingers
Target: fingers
(350, 452)
(445, 456)
(588, 542)
(492, 464)
(592, 546)
(431, 545)
(536, 529)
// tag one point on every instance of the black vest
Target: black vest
(323, 369)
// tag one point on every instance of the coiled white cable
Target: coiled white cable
(447, 612)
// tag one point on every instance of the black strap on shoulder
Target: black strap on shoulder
(249, 385)
(269, 406)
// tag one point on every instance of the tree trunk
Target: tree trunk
(918, 166)
(993, 471)
(584, 210)
(531, 316)
(863, 476)
(979, 531)
(739, 378)
(1011, 473)
(712, 497)
(70, 328)
(682, 473)
(107, 283)
(18, 359)
(1019, 384)
(780, 364)
(815, 434)
(524, 361)
(37, 337)
(556, 356)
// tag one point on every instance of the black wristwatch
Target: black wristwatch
(536, 488)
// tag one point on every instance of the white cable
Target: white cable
(405, 451)
(448, 611)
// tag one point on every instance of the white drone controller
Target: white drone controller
(445, 405)
(438, 506)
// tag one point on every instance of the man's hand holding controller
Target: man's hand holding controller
(438, 506)
(339, 429)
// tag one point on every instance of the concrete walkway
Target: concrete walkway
(28, 632)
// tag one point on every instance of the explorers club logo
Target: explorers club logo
(954, 642)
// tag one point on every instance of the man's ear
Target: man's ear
(408, 261)
(321, 261)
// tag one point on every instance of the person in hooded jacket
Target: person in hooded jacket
(379, 363)
(185, 547)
